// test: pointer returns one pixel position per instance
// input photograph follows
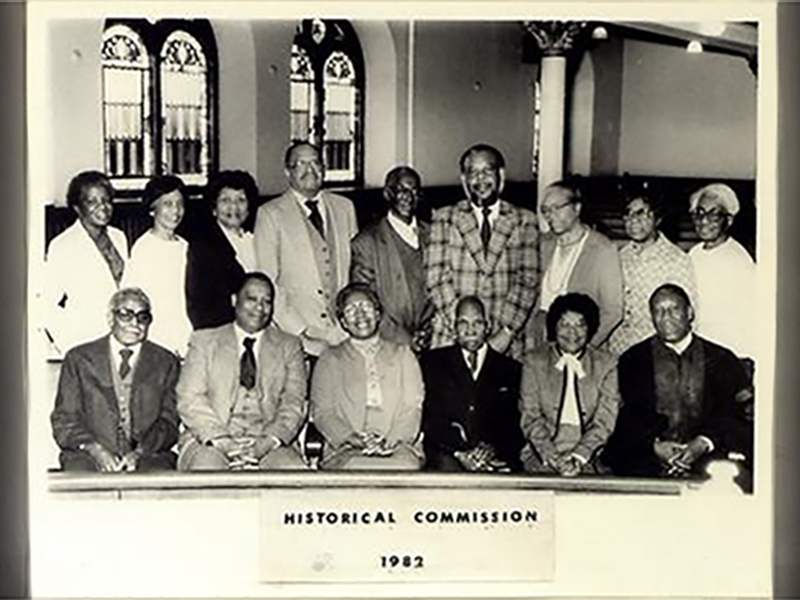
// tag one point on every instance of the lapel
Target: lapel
(460, 371)
(225, 369)
(503, 227)
(467, 225)
(100, 356)
(336, 246)
(399, 298)
(355, 407)
(296, 232)
(268, 360)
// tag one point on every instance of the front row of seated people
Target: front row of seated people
(674, 400)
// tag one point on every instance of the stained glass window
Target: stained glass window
(157, 100)
(327, 83)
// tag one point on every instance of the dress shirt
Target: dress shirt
(241, 335)
(556, 277)
(408, 232)
(570, 414)
(244, 245)
(116, 347)
(481, 358)
(320, 198)
(680, 346)
(494, 212)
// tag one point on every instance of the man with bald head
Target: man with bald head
(724, 271)
(685, 400)
(303, 244)
(486, 247)
(470, 416)
(387, 256)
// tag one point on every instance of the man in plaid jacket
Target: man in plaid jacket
(486, 247)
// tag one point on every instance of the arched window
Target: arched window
(159, 91)
(327, 96)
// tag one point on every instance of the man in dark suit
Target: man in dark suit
(242, 392)
(685, 400)
(387, 256)
(115, 406)
(470, 415)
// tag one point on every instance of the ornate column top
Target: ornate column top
(555, 38)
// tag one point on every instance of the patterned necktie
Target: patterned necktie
(486, 229)
(315, 217)
(110, 254)
(125, 364)
(247, 365)
(472, 358)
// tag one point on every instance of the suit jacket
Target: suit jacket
(726, 391)
(213, 276)
(210, 379)
(506, 278)
(541, 401)
(597, 274)
(339, 393)
(485, 408)
(76, 269)
(376, 261)
(87, 410)
(285, 253)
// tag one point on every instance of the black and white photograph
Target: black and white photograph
(324, 299)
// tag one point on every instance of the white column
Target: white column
(551, 128)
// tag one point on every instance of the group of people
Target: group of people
(473, 343)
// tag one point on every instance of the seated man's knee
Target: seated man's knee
(283, 458)
(202, 458)
(77, 461)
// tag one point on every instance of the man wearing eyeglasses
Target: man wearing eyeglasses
(724, 271)
(115, 408)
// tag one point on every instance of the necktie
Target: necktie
(247, 365)
(472, 358)
(315, 217)
(125, 364)
(110, 254)
(486, 229)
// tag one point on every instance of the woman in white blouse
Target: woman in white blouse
(222, 252)
(158, 263)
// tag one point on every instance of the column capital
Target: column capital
(555, 38)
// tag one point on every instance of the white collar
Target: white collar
(494, 211)
(408, 232)
(301, 200)
(572, 363)
(368, 347)
(481, 354)
(680, 346)
(116, 347)
(241, 335)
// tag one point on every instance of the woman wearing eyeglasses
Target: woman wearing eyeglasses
(648, 260)
(366, 393)
(575, 258)
(724, 270)
(158, 263)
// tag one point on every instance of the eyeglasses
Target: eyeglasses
(549, 210)
(359, 306)
(642, 213)
(125, 315)
(712, 215)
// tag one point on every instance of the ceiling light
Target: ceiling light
(694, 47)
(600, 33)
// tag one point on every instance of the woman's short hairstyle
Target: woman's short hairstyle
(82, 182)
(159, 186)
(577, 303)
(354, 288)
(235, 180)
(650, 199)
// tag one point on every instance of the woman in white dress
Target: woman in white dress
(158, 263)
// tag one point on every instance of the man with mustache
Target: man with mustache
(486, 247)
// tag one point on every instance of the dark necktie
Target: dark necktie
(486, 229)
(247, 365)
(315, 217)
(110, 254)
(125, 364)
(472, 358)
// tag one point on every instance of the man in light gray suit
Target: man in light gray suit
(303, 244)
(242, 390)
